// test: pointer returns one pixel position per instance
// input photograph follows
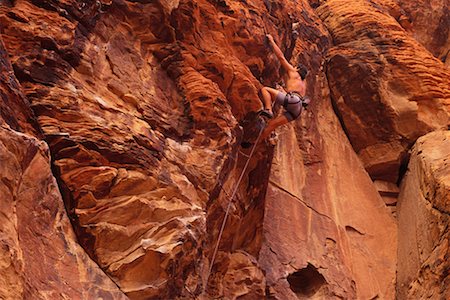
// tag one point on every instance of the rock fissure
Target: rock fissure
(299, 199)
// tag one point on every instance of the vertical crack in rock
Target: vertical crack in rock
(314, 161)
(139, 125)
(242, 236)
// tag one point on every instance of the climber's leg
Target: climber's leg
(273, 124)
(269, 95)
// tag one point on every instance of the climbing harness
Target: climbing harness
(304, 100)
(291, 104)
(228, 208)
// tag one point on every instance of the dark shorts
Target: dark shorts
(292, 104)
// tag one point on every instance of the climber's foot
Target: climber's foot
(272, 139)
(266, 113)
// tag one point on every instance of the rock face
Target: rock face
(144, 104)
(423, 220)
(405, 91)
(40, 257)
(319, 196)
(14, 107)
(39, 254)
(147, 114)
(429, 25)
(427, 21)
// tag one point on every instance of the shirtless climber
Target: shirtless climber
(292, 99)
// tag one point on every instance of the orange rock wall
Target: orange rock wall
(388, 89)
(423, 216)
(40, 257)
(144, 104)
(150, 104)
(319, 197)
(430, 25)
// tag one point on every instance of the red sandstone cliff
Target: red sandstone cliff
(136, 109)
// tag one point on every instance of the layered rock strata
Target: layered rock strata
(427, 21)
(15, 110)
(387, 88)
(389, 192)
(424, 220)
(40, 257)
(430, 25)
(144, 104)
(137, 108)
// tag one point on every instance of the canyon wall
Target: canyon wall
(429, 24)
(40, 257)
(397, 101)
(141, 107)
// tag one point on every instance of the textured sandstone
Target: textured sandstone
(387, 88)
(430, 25)
(148, 119)
(338, 238)
(40, 258)
(144, 104)
(424, 220)
(427, 21)
(14, 108)
(329, 246)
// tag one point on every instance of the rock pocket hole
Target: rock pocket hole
(307, 282)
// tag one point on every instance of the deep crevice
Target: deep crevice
(306, 282)
(334, 104)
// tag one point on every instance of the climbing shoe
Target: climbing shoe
(266, 113)
(272, 139)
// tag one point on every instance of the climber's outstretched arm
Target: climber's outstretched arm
(284, 62)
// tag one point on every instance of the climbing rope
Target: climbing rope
(228, 208)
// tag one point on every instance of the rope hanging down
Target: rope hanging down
(228, 208)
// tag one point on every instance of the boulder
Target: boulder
(387, 89)
(423, 221)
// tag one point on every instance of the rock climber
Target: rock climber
(292, 98)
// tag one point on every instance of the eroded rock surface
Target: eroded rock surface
(430, 25)
(40, 257)
(144, 104)
(147, 96)
(427, 21)
(387, 88)
(14, 107)
(319, 196)
(424, 220)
